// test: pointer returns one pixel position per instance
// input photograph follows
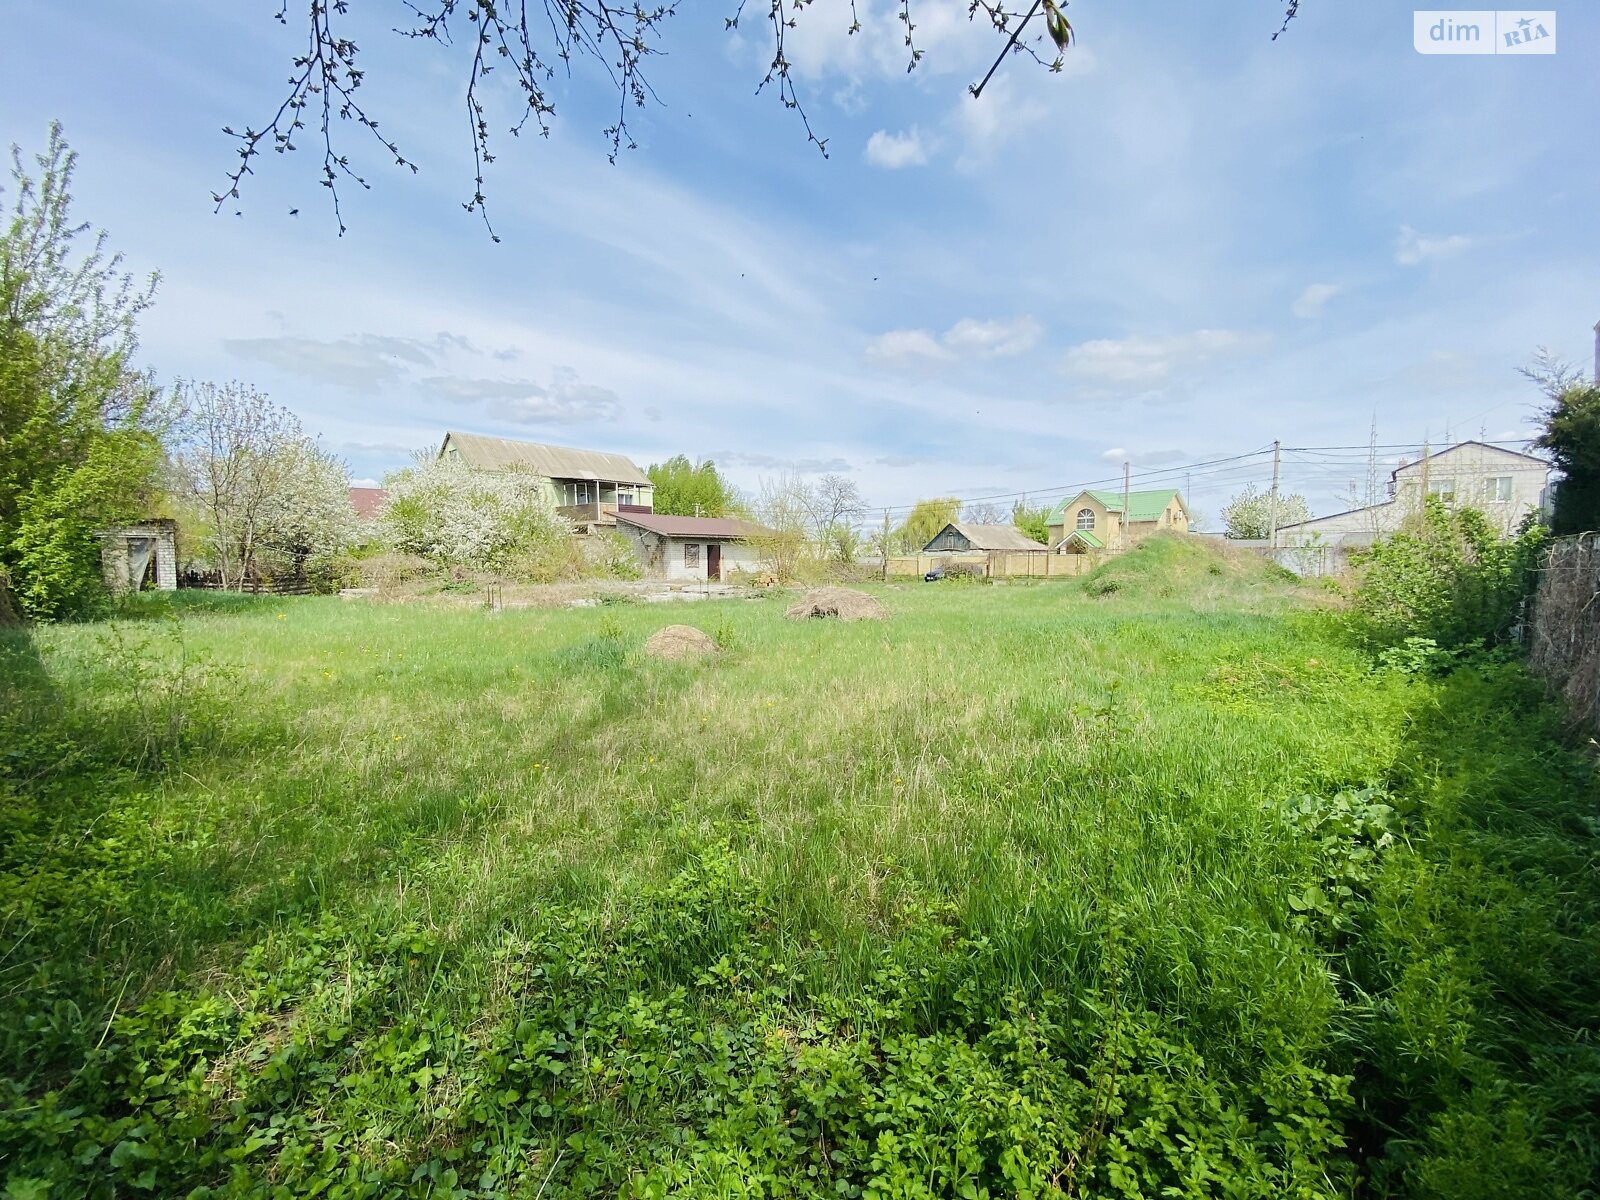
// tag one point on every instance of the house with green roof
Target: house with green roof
(1096, 521)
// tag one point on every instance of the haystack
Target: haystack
(845, 603)
(677, 642)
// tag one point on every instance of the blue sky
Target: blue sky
(1192, 241)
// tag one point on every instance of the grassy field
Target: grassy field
(1145, 884)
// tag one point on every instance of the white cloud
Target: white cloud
(1146, 360)
(904, 346)
(993, 338)
(1115, 454)
(1310, 303)
(1413, 248)
(891, 151)
(967, 338)
(366, 482)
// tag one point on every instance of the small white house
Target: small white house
(691, 548)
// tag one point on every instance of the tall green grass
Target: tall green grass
(1102, 890)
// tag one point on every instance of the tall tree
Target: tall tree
(271, 498)
(926, 518)
(1032, 521)
(1571, 436)
(1249, 515)
(534, 43)
(79, 427)
(691, 489)
(837, 508)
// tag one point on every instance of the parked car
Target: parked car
(934, 575)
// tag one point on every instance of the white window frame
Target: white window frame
(1443, 490)
(1089, 513)
(1499, 489)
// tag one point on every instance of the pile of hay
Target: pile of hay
(677, 642)
(845, 603)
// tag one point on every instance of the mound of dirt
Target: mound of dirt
(1170, 564)
(677, 642)
(845, 603)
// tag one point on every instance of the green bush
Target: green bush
(1447, 576)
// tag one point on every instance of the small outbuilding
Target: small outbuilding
(134, 557)
(691, 548)
(961, 538)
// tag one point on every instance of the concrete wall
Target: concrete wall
(1468, 470)
(114, 556)
(999, 565)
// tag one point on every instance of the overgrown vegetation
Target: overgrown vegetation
(1571, 436)
(79, 428)
(1448, 576)
(1018, 893)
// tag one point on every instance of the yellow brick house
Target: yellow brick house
(1096, 521)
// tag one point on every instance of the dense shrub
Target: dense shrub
(1448, 576)
(444, 510)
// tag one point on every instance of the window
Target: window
(1086, 518)
(691, 554)
(1442, 489)
(1497, 489)
(624, 497)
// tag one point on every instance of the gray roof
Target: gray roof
(707, 528)
(553, 462)
(994, 537)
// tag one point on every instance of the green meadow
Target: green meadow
(1148, 884)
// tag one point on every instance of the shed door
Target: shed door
(714, 561)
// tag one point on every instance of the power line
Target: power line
(1335, 460)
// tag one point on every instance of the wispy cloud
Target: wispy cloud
(1413, 248)
(1146, 360)
(775, 462)
(364, 363)
(891, 151)
(564, 401)
(1310, 303)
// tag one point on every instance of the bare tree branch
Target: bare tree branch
(535, 39)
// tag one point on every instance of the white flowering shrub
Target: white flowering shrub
(306, 520)
(457, 515)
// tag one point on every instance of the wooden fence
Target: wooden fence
(998, 565)
(1563, 633)
(285, 585)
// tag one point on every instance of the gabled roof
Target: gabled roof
(553, 462)
(1143, 506)
(1084, 536)
(991, 537)
(706, 528)
(1461, 446)
(367, 501)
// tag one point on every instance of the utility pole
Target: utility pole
(1122, 526)
(883, 546)
(1272, 506)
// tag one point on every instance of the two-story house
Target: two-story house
(589, 487)
(1097, 520)
(1506, 485)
